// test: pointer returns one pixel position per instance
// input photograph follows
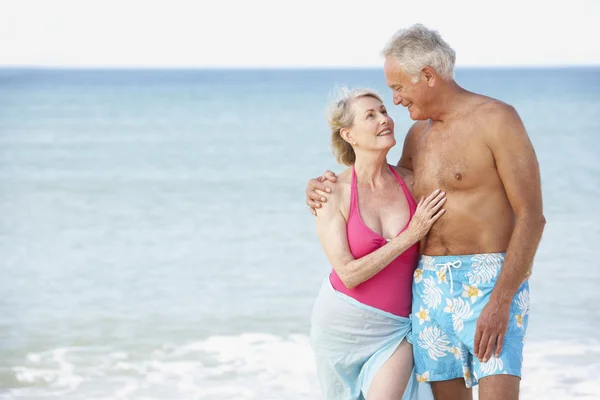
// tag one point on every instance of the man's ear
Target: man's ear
(429, 75)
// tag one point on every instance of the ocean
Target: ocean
(156, 244)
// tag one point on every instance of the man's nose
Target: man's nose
(397, 99)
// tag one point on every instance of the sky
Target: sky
(276, 33)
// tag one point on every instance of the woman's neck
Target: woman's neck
(371, 170)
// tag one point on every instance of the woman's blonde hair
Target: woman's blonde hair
(340, 115)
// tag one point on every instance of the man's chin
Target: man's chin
(417, 117)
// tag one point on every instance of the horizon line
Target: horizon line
(282, 67)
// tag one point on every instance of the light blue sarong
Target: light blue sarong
(352, 341)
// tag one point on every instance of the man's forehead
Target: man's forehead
(395, 78)
(393, 70)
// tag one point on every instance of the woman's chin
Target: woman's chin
(390, 142)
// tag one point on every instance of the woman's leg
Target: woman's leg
(391, 380)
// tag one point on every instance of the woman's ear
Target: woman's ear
(346, 135)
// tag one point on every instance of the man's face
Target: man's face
(406, 93)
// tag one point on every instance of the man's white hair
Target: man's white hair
(417, 47)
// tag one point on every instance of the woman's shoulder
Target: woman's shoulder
(345, 177)
(341, 187)
(339, 196)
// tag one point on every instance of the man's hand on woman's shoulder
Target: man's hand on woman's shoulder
(317, 190)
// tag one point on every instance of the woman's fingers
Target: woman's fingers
(435, 201)
(437, 216)
(432, 195)
(437, 206)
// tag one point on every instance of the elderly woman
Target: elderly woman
(369, 228)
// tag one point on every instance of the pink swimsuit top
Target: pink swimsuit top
(391, 289)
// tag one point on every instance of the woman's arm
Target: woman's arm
(331, 229)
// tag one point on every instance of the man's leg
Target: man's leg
(440, 357)
(499, 387)
(454, 389)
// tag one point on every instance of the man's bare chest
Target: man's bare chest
(451, 162)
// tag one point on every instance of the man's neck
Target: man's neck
(449, 102)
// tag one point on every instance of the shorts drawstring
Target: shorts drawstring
(447, 269)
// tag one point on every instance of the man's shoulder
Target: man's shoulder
(412, 134)
(416, 128)
(498, 120)
(490, 108)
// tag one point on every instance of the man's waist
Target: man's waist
(440, 248)
(492, 261)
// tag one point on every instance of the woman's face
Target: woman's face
(373, 128)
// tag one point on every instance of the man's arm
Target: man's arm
(520, 173)
(518, 169)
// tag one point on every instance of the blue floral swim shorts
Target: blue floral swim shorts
(449, 293)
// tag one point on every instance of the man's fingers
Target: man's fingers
(316, 185)
(489, 348)
(499, 345)
(485, 336)
(313, 211)
(313, 203)
(322, 196)
(312, 182)
(477, 341)
(317, 195)
(330, 176)
(314, 197)
(483, 345)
